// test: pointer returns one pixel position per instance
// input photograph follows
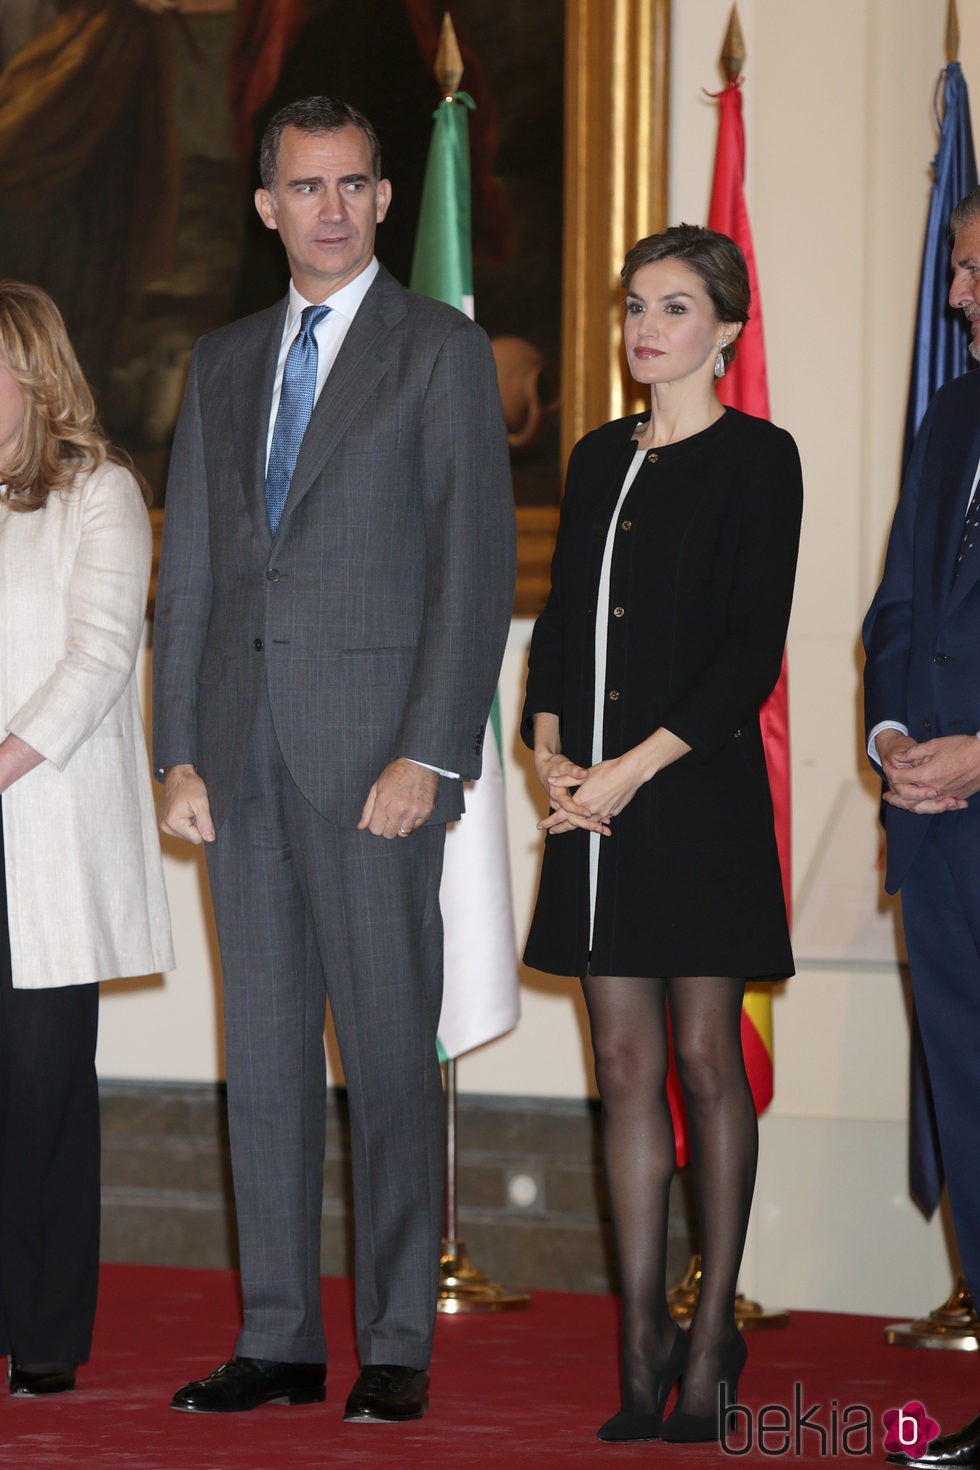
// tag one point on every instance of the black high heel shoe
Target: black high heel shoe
(630, 1423)
(683, 1428)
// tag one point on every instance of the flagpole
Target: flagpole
(683, 1299)
(462, 1288)
(952, 33)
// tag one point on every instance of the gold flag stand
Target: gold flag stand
(462, 1288)
(953, 1325)
(683, 1300)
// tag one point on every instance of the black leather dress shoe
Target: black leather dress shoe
(956, 1451)
(51, 1378)
(245, 1383)
(387, 1394)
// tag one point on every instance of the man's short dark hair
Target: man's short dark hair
(967, 210)
(313, 115)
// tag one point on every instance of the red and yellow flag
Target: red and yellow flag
(745, 387)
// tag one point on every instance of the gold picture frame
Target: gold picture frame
(617, 100)
(617, 108)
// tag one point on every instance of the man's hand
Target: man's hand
(950, 765)
(400, 800)
(186, 812)
(934, 777)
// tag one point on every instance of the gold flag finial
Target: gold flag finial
(733, 51)
(952, 33)
(449, 62)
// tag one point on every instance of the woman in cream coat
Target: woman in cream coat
(83, 897)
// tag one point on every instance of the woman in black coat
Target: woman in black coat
(662, 635)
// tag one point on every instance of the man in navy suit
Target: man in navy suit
(922, 710)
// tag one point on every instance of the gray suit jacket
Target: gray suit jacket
(378, 613)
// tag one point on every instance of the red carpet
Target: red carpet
(519, 1390)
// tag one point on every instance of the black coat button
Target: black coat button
(258, 645)
(273, 574)
(942, 658)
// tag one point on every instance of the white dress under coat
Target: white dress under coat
(85, 890)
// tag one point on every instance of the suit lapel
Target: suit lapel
(361, 363)
(251, 381)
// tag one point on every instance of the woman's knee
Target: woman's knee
(626, 1067)
(709, 1068)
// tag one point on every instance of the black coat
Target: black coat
(702, 581)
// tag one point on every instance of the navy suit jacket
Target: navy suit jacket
(922, 634)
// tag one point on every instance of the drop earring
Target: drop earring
(721, 365)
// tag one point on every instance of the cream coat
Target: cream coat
(84, 875)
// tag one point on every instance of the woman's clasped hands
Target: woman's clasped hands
(587, 798)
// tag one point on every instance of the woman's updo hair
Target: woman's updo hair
(714, 258)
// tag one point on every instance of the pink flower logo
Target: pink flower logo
(908, 1430)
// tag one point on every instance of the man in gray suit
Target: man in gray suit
(335, 590)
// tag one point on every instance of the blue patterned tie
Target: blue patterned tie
(295, 407)
(971, 533)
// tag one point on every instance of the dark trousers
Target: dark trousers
(49, 1165)
(309, 912)
(941, 915)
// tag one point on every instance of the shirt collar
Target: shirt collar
(345, 302)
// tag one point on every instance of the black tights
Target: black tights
(628, 1017)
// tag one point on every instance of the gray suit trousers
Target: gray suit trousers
(309, 912)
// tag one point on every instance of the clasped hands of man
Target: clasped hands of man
(400, 800)
(932, 777)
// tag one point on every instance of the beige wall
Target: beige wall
(838, 103)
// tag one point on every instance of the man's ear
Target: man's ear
(266, 206)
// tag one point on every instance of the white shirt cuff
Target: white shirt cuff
(451, 775)
(873, 737)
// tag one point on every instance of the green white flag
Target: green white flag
(481, 998)
(442, 265)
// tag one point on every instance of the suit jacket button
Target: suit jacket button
(626, 525)
(618, 612)
(927, 724)
(941, 658)
(273, 574)
(614, 694)
(258, 645)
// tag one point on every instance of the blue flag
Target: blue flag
(940, 347)
(938, 354)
